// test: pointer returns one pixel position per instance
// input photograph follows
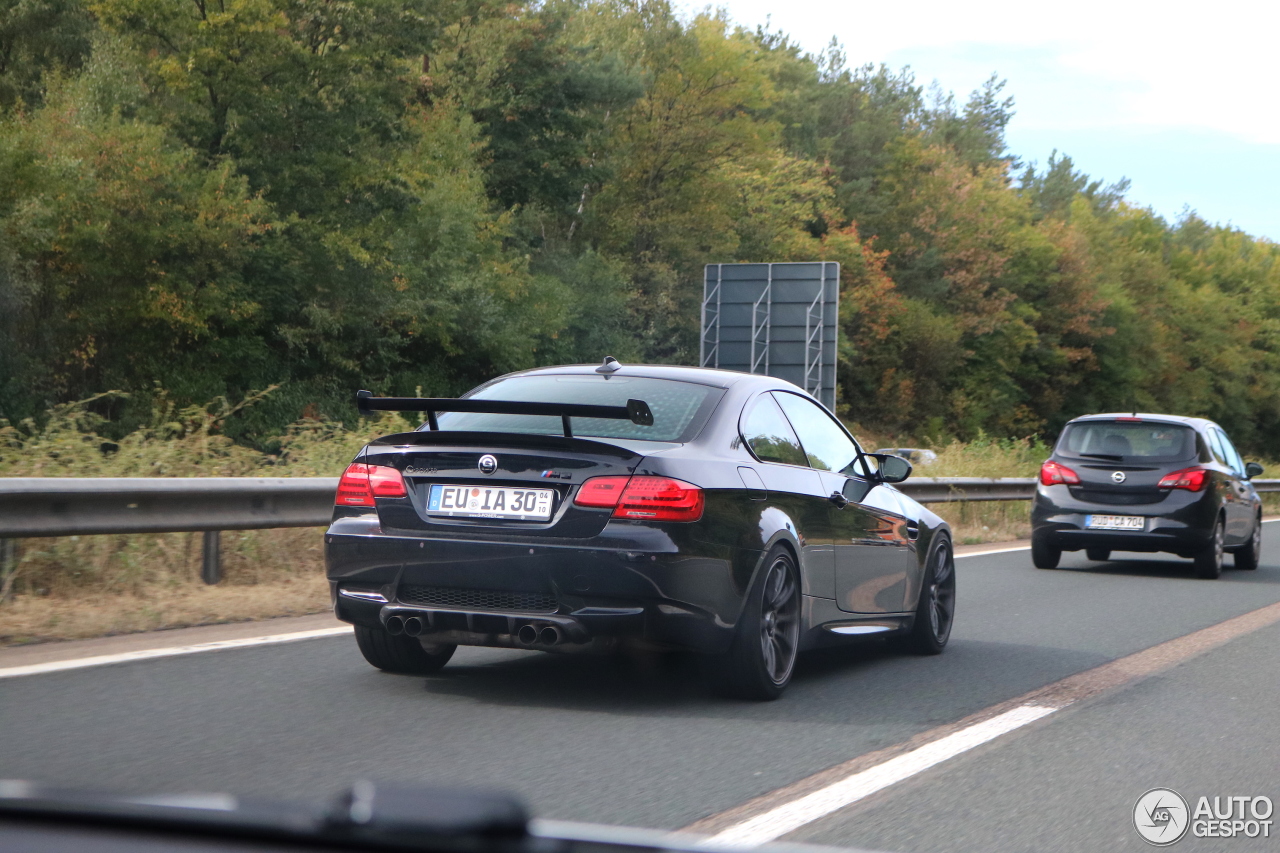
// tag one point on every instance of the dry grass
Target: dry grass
(33, 618)
(91, 586)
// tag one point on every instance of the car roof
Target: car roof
(1195, 423)
(701, 375)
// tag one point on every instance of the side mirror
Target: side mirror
(893, 469)
(1252, 469)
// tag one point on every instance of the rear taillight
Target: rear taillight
(1053, 474)
(1191, 479)
(601, 491)
(361, 483)
(647, 498)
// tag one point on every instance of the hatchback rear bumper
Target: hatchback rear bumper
(1182, 524)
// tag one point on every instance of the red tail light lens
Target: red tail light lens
(1053, 474)
(660, 499)
(1191, 479)
(601, 491)
(361, 483)
(387, 482)
(648, 498)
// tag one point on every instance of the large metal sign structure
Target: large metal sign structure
(774, 319)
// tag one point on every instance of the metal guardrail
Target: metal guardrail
(79, 506)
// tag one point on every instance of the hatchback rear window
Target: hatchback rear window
(679, 408)
(1128, 441)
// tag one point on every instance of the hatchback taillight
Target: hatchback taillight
(1055, 474)
(361, 483)
(646, 498)
(1191, 479)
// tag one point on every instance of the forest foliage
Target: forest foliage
(216, 196)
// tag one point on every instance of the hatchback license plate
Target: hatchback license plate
(490, 502)
(1115, 522)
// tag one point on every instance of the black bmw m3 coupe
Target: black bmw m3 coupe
(582, 507)
(1144, 482)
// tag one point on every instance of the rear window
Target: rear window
(679, 408)
(1128, 441)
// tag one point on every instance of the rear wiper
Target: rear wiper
(1113, 457)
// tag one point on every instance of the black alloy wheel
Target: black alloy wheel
(763, 656)
(936, 610)
(1248, 554)
(1044, 555)
(400, 654)
(1208, 561)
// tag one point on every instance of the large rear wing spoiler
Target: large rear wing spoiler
(636, 411)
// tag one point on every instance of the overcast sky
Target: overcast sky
(1181, 99)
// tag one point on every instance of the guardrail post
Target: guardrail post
(211, 567)
(8, 565)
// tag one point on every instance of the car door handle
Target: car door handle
(839, 500)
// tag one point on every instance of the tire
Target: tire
(1248, 554)
(1044, 555)
(401, 655)
(1208, 560)
(762, 658)
(936, 607)
(1098, 555)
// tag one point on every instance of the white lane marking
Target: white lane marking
(1006, 550)
(170, 651)
(795, 814)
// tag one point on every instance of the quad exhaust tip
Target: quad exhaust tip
(413, 626)
(395, 625)
(549, 636)
(527, 635)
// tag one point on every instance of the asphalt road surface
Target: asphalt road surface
(641, 742)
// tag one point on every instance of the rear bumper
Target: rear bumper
(634, 585)
(1180, 524)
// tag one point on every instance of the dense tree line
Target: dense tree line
(219, 195)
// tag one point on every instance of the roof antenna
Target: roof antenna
(609, 366)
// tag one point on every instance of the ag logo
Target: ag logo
(1161, 816)
(488, 464)
(1118, 477)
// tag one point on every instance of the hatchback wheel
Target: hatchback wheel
(760, 663)
(1209, 560)
(1248, 554)
(1044, 555)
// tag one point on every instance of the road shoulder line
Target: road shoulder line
(169, 651)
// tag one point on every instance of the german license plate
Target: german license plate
(490, 502)
(1115, 522)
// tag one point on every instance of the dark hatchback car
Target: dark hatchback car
(580, 507)
(1147, 483)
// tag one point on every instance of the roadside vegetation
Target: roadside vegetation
(400, 193)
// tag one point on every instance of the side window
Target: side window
(1233, 458)
(769, 435)
(825, 444)
(1215, 444)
